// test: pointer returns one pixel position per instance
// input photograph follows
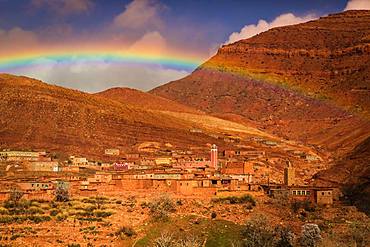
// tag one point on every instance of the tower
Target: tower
(289, 174)
(214, 155)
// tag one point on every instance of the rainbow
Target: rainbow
(13, 62)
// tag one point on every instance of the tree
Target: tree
(311, 235)
(258, 233)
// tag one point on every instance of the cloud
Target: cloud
(65, 7)
(151, 42)
(262, 25)
(100, 75)
(358, 4)
(140, 14)
(17, 39)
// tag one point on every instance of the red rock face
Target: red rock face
(305, 82)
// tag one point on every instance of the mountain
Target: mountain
(307, 82)
(36, 115)
(141, 99)
(353, 173)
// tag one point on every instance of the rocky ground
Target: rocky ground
(139, 219)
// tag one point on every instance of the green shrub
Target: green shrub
(102, 214)
(125, 231)
(6, 219)
(54, 212)
(61, 217)
(15, 236)
(3, 211)
(34, 210)
(39, 218)
(236, 200)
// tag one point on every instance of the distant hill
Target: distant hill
(36, 115)
(141, 99)
(307, 82)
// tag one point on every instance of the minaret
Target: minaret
(289, 174)
(214, 155)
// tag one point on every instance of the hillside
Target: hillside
(36, 115)
(307, 82)
(353, 173)
(141, 99)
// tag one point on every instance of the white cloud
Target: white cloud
(100, 75)
(151, 42)
(262, 25)
(358, 4)
(140, 14)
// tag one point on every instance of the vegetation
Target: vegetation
(311, 235)
(15, 195)
(161, 208)
(305, 205)
(61, 194)
(125, 231)
(245, 199)
(257, 233)
(167, 240)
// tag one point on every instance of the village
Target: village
(38, 175)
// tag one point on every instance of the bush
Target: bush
(15, 236)
(285, 237)
(3, 211)
(306, 205)
(189, 241)
(34, 210)
(61, 217)
(257, 233)
(311, 235)
(54, 212)
(39, 218)
(213, 215)
(236, 200)
(165, 240)
(361, 234)
(102, 214)
(161, 208)
(125, 231)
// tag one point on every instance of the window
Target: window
(294, 192)
(308, 192)
(328, 192)
(299, 192)
(322, 193)
(303, 192)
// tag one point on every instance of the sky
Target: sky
(93, 45)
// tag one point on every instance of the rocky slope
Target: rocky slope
(307, 82)
(38, 115)
(141, 99)
(352, 173)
